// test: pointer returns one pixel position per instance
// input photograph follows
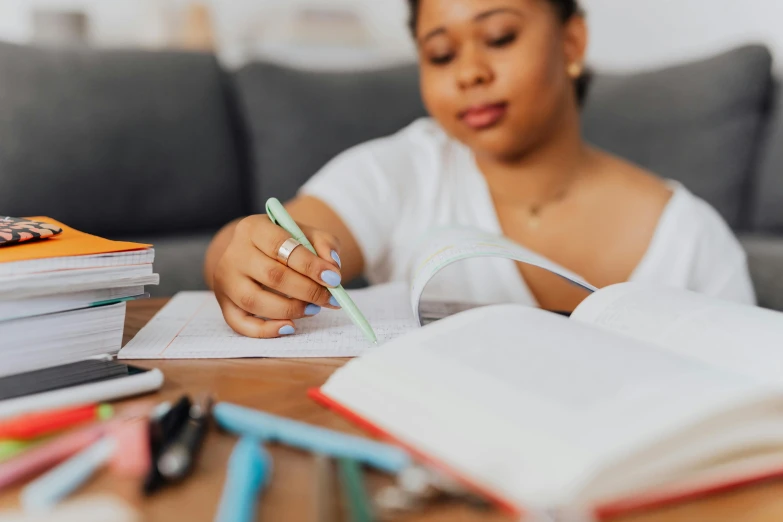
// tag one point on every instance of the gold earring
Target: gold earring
(575, 70)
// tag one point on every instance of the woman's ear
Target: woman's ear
(575, 36)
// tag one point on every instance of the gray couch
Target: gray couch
(166, 147)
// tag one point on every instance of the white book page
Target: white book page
(191, 326)
(49, 304)
(132, 257)
(735, 337)
(77, 280)
(446, 246)
(49, 340)
(529, 403)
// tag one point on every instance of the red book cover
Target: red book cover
(613, 509)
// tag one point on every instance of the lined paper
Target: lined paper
(191, 326)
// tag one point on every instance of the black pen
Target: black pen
(175, 418)
(155, 429)
(178, 458)
(162, 435)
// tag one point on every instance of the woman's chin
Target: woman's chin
(498, 145)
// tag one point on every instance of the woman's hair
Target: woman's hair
(566, 9)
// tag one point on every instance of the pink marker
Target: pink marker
(37, 460)
(133, 437)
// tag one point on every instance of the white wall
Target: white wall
(384, 21)
(631, 34)
(625, 34)
(112, 23)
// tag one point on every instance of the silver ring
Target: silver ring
(285, 250)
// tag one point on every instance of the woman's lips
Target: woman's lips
(484, 116)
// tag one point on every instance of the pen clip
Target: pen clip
(270, 212)
(279, 216)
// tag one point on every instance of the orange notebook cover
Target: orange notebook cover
(607, 511)
(69, 243)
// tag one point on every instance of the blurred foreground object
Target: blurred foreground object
(102, 508)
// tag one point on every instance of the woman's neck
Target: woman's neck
(540, 174)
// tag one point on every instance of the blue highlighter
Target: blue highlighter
(249, 471)
(247, 422)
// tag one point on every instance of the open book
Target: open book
(191, 325)
(643, 396)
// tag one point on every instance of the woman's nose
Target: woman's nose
(473, 70)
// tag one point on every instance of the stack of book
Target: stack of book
(63, 298)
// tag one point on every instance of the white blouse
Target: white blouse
(392, 190)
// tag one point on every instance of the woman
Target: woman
(502, 80)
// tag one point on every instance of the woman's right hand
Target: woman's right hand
(260, 296)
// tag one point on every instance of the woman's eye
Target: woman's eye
(503, 40)
(441, 59)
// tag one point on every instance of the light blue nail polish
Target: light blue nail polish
(336, 258)
(333, 302)
(286, 330)
(312, 309)
(330, 278)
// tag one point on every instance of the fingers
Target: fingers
(245, 324)
(260, 297)
(324, 268)
(287, 281)
(328, 248)
(252, 298)
(324, 272)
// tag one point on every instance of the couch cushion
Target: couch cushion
(117, 142)
(768, 190)
(698, 123)
(765, 261)
(298, 120)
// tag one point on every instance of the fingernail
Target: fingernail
(333, 302)
(336, 258)
(286, 330)
(312, 309)
(330, 278)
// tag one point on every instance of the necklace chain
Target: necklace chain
(534, 219)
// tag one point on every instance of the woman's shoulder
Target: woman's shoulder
(410, 161)
(695, 220)
(413, 156)
(691, 245)
(668, 199)
(711, 257)
(622, 189)
(421, 137)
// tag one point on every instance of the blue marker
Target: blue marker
(271, 428)
(249, 470)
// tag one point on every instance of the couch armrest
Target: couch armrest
(765, 260)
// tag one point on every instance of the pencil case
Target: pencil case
(17, 230)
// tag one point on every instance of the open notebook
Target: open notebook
(641, 397)
(191, 325)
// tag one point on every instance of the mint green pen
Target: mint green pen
(279, 216)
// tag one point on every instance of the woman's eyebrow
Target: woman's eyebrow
(499, 10)
(433, 33)
(481, 16)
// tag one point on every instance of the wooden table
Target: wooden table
(279, 386)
